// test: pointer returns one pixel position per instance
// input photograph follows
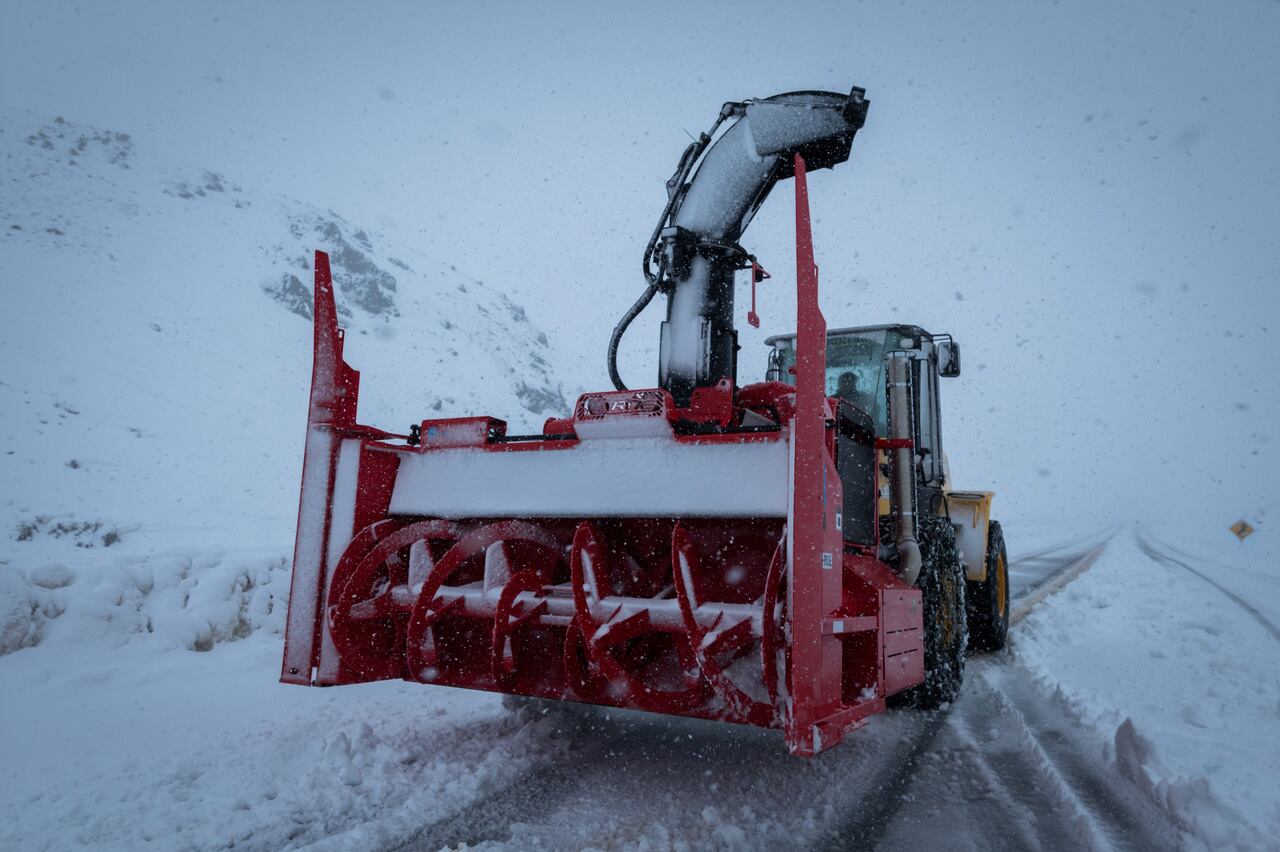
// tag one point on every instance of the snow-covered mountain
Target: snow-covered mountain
(154, 372)
(155, 361)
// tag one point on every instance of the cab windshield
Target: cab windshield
(855, 370)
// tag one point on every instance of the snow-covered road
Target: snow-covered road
(1003, 767)
(1161, 553)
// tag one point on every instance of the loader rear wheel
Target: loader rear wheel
(989, 599)
(946, 632)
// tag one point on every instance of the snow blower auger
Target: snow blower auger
(698, 549)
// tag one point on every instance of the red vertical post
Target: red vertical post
(334, 388)
(814, 576)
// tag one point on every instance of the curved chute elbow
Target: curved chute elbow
(909, 560)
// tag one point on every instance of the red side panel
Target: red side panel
(334, 391)
(815, 575)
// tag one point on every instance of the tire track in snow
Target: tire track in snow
(1030, 572)
(1007, 769)
(880, 816)
(1123, 817)
(1079, 545)
(1009, 772)
(877, 809)
(1165, 559)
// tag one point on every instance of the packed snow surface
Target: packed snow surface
(1167, 648)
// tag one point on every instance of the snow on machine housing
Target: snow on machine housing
(699, 549)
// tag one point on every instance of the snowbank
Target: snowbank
(1179, 681)
(190, 600)
(140, 709)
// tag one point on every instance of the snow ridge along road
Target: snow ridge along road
(1039, 575)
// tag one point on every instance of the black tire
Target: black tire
(946, 631)
(989, 599)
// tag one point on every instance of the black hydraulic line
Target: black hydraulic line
(621, 328)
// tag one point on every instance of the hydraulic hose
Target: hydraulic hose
(621, 329)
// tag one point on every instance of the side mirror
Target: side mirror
(773, 373)
(949, 359)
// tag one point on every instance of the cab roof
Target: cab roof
(908, 330)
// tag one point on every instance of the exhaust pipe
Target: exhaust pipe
(903, 482)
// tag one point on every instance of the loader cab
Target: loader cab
(860, 353)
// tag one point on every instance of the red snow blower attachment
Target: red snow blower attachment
(699, 549)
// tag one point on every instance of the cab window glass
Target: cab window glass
(855, 371)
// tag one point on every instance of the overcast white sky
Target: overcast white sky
(1087, 196)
